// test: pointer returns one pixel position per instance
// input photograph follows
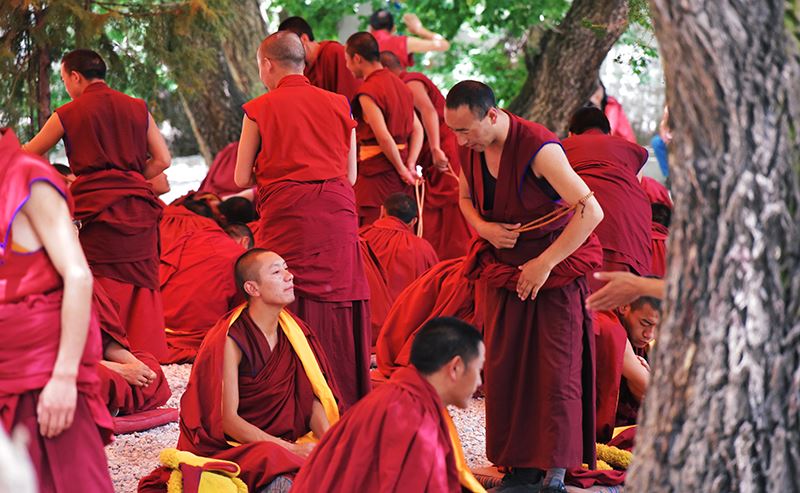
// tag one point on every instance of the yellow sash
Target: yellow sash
(302, 349)
(366, 152)
(465, 476)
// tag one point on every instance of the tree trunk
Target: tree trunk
(722, 413)
(563, 63)
(41, 61)
(247, 30)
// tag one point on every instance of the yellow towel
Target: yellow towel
(216, 476)
(465, 476)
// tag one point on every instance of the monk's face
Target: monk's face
(641, 324)
(467, 379)
(472, 132)
(274, 284)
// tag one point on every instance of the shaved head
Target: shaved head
(365, 45)
(248, 263)
(285, 49)
(390, 61)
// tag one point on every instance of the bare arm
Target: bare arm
(552, 165)
(249, 144)
(47, 212)
(634, 372)
(426, 40)
(430, 121)
(374, 118)
(415, 145)
(160, 157)
(319, 421)
(48, 136)
(352, 159)
(624, 288)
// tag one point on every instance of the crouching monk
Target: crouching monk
(257, 394)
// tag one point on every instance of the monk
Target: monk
(307, 205)
(50, 342)
(400, 437)
(196, 288)
(237, 210)
(258, 394)
(403, 255)
(326, 66)
(624, 336)
(539, 417)
(609, 165)
(659, 233)
(130, 381)
(389, 132)
(381, 25)
(612, 109)
(114, 147)
(622, 288)
(188, 215)
(444, 225)
(219, 179)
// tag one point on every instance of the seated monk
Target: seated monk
(403, 255)
(258, 394)
(130, 381)
(400, 436)
(185, 214)
(623, 337)
(237, 210)
(195, 294)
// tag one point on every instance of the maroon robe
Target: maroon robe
(403, 255)
(628, 404)
(539, 353)
(444, 225)
(395, 439)
(658, 237)
(397, 44)
(219, 179)
(105, 136)
(656, 192)
(274, 394)
(611, 338)
(198, 287)
(308, 217)
(609, 166)
(377, 177)
(329, 70)
(31, 293)
(380, 299)
(177, 221)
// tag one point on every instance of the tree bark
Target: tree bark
(722, 413)
(563, 63)
(247, 30)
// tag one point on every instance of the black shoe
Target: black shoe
(554, 488)
(517, 483)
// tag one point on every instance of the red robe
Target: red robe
(219, 179)
(198, 287)
(179, 220)
(329, 70)
(656, 192)
(397, 44)
(620, 126)
(609, 166)
(403, 255)
(380, 299)
(30, 314)
(274, 394)
(395, 439)
(377, 177)
(658, 237)
(611, 339)
(105, 136)
(120, 396)
(526, 340)
(444, 225)
(308, 216)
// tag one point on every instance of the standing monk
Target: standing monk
(307, 205)
(389, 132)
(114, 147)
(539, 373)
(381, 25)
(444, 225)
(326, 66)
(50, 341)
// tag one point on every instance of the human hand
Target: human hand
(56, 407)
(412, 22)
(302, 449)
(440, 159)
(622, 288)
(407, 176)
(500, 235)
(532, 277)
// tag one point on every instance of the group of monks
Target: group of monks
(360, 212)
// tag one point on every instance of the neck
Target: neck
(501, 130)
(437, 382)
(265, 316)
(371, 68)
(312, 49)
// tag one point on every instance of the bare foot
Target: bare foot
(135, 373)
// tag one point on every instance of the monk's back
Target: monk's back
(395, 101)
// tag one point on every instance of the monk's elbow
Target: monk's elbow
(241, 181)
(78, 277)
(596, 214)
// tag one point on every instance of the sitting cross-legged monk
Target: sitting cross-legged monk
(195, 293)
(258, 393)
(402, 254)
(400, 436)
(623, 338)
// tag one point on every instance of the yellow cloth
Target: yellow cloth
(217, 476)
(310, 364)
(465, 476)
(366, 152)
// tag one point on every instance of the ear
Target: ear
(455, 368)
(251, 288)
(413, 222)
(492, 115)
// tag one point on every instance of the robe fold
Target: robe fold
(198, 287)
(219, 179)
(377, 177)
(403, 255)
(105, 137)
(656, 192)
(611, 339)
(276, 391)
(444, 224)
(31, 293)
(329, 70)
(609, 166)
(308, 216)
(397, 439)
(380, 299)
(539, 370)
(177, 221)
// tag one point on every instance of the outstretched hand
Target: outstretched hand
(412, 22)
(621, 288)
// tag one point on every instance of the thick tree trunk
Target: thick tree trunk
(722, 413)
(563, 63)
(247, 30)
